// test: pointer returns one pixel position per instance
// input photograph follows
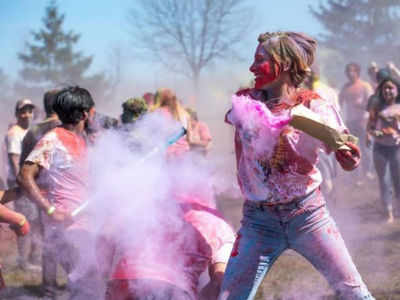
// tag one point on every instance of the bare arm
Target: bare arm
(10, 195)
(26, 179)
(17, 221)
(14, 163)
(9, 216)
(212, 288)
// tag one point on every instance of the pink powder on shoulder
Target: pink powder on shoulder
(257, 124)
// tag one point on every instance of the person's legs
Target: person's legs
(380, 155)
(315, 236)
(49, 260)
(259, 242)
(23, 242)
(36, 236)
(394, 166)
(83, 276)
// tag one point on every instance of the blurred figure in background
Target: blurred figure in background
(168, 104)
(36, 132)
(353, 99)
(372, 72)
(49, 262)
(384, 130)
(133, 110)
(327, 164)
(200, 137)
(28, 246)
(149, 98)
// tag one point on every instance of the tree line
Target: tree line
(188, 36)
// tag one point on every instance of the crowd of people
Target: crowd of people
(280, 171)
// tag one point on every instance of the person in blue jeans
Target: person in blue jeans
(278, 174)
(384, 129)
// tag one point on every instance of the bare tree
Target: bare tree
(186, 36)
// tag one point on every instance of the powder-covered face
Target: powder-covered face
(264, 68)
(389, 92)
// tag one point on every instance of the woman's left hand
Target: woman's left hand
(349, 159)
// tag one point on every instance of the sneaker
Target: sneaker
(390, 218)
(28, 267)
(370, 175)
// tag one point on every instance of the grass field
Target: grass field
(374, 246)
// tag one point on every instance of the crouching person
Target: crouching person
(165, 263)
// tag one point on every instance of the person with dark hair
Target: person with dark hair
(167, 103)
(133, 109)
(372, 72)
(383, 128)
(327, 164)
(38, 130)
(28, 246)
(60, 160)
(278, 174)
(35, 133)
(353, 99)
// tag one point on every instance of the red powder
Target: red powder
(235, 250)
(265, 73)
(74, 144)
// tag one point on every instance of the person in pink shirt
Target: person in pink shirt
(278, 174)
(169, 106)
(200, 136)
(59, 160)
(384, 130)
(165, 260)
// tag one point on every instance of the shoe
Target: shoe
(390, 218)
(28, 267)
(370, 175)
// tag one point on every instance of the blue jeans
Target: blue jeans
(307, 228)
(387, 159)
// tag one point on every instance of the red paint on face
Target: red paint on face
(265, 73)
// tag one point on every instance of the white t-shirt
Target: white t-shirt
(13, 142)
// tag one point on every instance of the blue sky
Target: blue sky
(103, 24)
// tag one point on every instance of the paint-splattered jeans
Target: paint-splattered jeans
(305, 227)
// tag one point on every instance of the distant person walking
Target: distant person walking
(353, 99)
(384, 131)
